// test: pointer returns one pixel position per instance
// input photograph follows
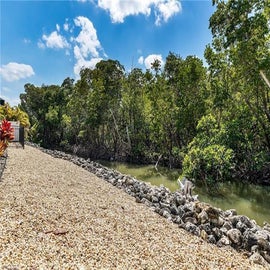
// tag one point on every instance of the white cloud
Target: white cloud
(167, 9)
(87, 49)
(140, 60)
(86, 46)
(54, 41)
(87, 38)
(81, 62)
(151, 59)
(119, 9)
(66, 26)
(41, 45)
(15, 71)
(26, 41)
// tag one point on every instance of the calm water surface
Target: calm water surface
(250, 200)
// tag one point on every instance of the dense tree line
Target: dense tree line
(108, 113)
(214, 120)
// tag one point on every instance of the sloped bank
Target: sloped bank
(223, 228)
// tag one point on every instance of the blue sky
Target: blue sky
(44, 42)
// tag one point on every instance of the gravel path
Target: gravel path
(56, 215)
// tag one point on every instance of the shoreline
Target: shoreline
(213, 225)
(57, 215)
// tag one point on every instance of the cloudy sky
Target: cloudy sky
(44, 42)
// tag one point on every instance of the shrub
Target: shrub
(6, 135)
(208, 166)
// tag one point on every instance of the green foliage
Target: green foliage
(186, 85)
(208, 160)
(209, 131)
(239, 96)
(45, 106)
(209, 165)
(240, 50)
(215, 119)
(14, 114)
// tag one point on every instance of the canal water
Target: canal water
(250, 200)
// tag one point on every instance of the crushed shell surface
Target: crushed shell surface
(56, 215)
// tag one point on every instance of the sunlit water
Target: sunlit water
(250, 200)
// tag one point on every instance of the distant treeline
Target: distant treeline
(214, 121)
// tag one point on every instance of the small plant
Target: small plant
(6, 135)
